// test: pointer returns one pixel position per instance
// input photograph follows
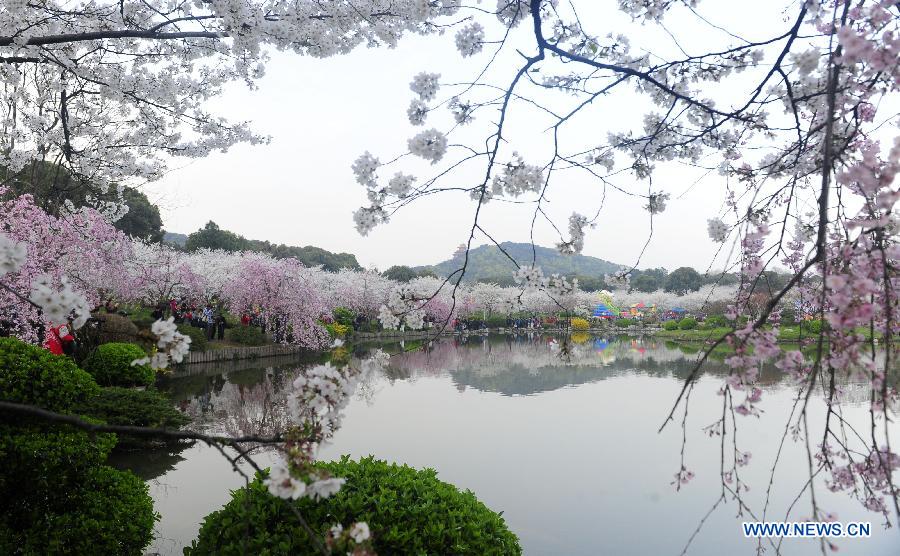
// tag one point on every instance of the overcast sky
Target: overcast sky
(322, 114)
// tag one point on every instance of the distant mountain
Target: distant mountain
(488, 263)
(175, 239)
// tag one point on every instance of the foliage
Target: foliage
(246, 335)
(125, 406)
(408, 511)
(337, 330)
(211, 236)
(110, 512)
(58, 497)
(625, 323)
(683, 280)
(400, 273)
(343, 315)
(197, 335)
(814, 326)
(645, 283)
(51, 185)
(110, 365)
(715, 321)
(36, 376)
(687, 323)
(579, 323)
(670, 325)
(116, 328)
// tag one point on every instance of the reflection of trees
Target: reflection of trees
(254, 401)
(148, 464)
(526, 364)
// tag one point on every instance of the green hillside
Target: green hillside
(488, 263)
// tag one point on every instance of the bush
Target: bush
(814, 326)
(579, 323)
(716, 321)
(246, 335)
(140, 408)
(687, 323)
(343, 315)
(197, 335)
(670, 325)
(110, 365)
(408, 511)
(337, 330)
(58, 496)
(624, 323)
(29, 374)
(116, 328)
(495, 321)
(113, 514)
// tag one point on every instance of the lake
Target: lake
(566, 448)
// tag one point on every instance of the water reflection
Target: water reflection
(568, 449)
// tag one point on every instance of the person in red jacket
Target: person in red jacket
(59, 339)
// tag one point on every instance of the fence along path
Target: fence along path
(233, 353)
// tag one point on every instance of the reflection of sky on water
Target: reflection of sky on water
(569, 450)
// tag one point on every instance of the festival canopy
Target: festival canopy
(603, 311)
(678, 310)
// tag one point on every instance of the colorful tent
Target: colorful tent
(602, 311)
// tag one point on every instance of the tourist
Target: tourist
(220, 327)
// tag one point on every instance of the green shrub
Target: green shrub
(624, 323)
(197, 336)
(814, 326)
(687, 323)
(111, 513)
(246, 335)
(670, 325)
(29, 374)
(408, 511)
(495, 321)
(110, 365)
(716, 321)
(788, 316)
(57, 495)
(343, 315)
(140, 408)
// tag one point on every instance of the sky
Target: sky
(321, 114)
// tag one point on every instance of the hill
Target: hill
(488, 263)
(174, 239)
(212, 236)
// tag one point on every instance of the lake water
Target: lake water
(568, 450)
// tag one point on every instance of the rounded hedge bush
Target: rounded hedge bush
(716, 321)
(110, 365)
(670, 325)
(197, 336)
(58, 496)
(111, 513)
(687, 323)
(409, 512)
(29, 374)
